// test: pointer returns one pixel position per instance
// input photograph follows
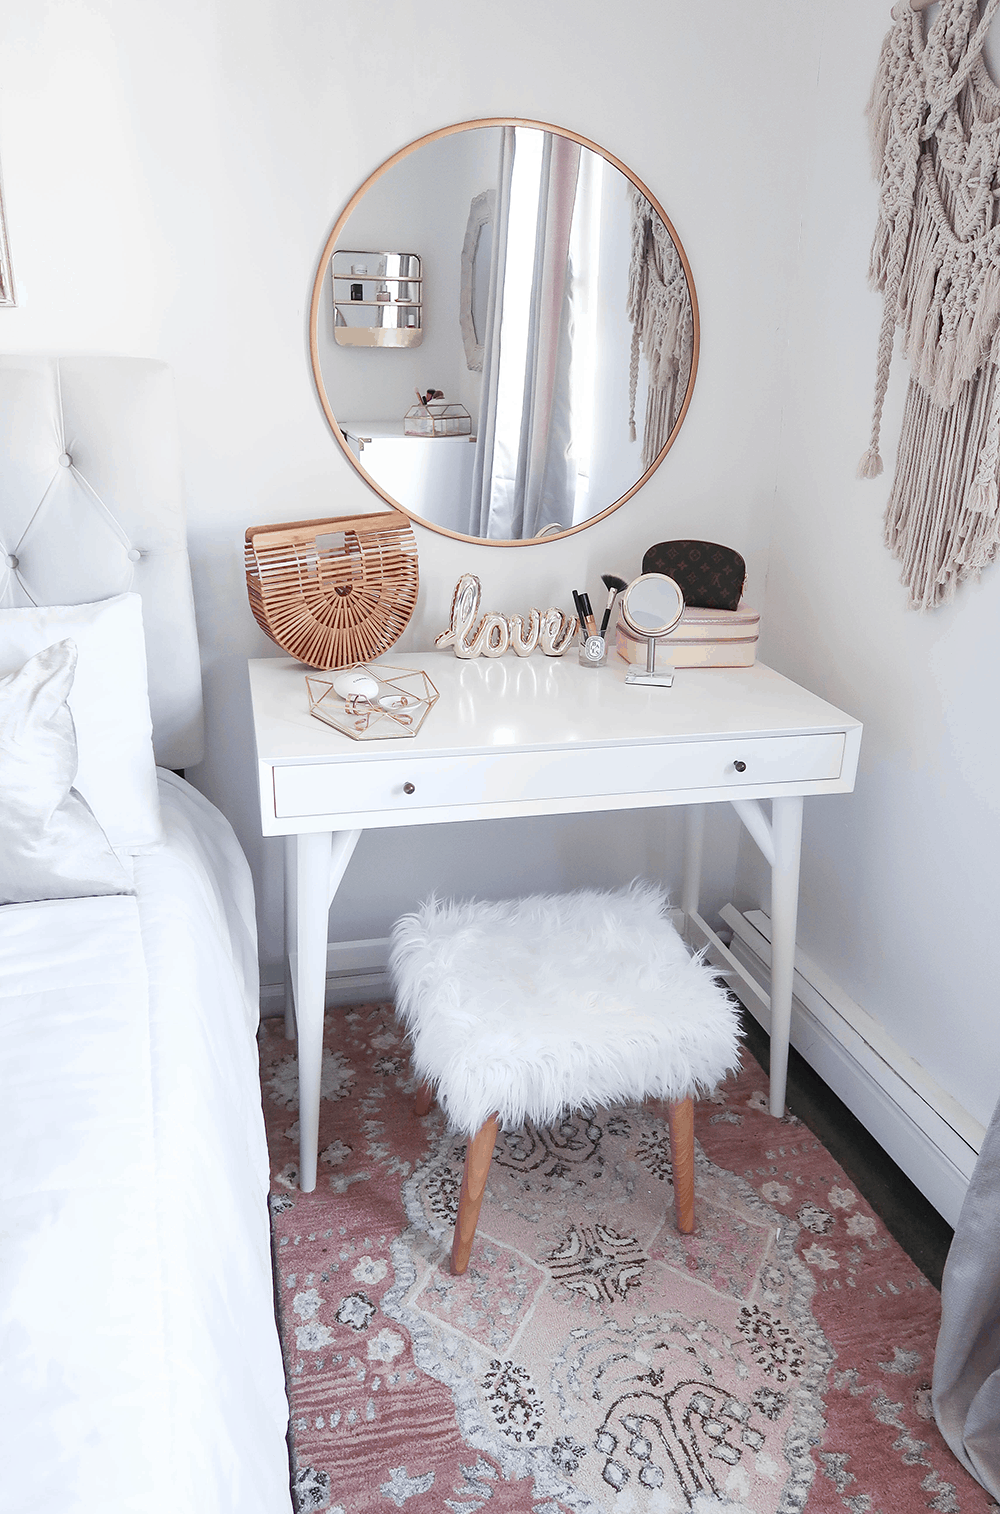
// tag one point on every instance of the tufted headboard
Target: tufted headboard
(91, 505)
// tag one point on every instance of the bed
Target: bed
(140, 1367)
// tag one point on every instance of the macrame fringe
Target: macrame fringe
(947, 298)
(659, 307)
(660, 408)
(936, 260)
(941, 522)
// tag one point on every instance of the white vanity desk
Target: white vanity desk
(540, 736)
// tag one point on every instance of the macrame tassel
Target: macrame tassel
(982, 498)
(870, 465)
(633, 380)
(980, 546)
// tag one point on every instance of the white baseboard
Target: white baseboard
(922, 1127)
(356, 973)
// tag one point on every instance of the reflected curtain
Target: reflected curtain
(966, 1388)
(482, 471)
(524, 475)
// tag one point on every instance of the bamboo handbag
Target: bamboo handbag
(333, 592)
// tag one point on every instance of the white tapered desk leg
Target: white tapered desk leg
(289, 936)
(312, 912)
(694, 847)
(786, 829)
(321, 860)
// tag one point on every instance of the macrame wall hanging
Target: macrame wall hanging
(659, 307)
(935, 130)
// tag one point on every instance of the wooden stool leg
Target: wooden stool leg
(424, 1100)
(478, 1155)
(681, 1120)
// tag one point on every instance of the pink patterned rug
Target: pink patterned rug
(591, 1359)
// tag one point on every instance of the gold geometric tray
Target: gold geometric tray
(398, 709)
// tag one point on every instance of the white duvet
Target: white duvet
(139, 1361)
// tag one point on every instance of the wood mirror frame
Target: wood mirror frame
(316, 305)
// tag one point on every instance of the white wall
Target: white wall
(172, 173)
(900, 885)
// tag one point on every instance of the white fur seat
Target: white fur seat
(525, 1009)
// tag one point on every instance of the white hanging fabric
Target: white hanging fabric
(524, 475)
(935, 130)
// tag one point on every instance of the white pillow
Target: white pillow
(109, 704)
(51, 846)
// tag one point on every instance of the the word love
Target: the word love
(493, 634)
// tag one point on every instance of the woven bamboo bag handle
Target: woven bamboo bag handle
(333, 592)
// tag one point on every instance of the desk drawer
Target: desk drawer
(373, 784)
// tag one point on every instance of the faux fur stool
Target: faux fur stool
(530, 1008)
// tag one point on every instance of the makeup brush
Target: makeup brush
(614, 587)
(580, 614)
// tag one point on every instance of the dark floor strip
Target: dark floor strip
(907, 1215)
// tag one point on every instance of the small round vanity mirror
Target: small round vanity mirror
(527, 289)
(651, 606)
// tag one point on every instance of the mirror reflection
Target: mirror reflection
(554, 306)
(652, 605)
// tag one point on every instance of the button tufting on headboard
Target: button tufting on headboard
(90, 461)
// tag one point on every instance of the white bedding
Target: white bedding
(140, 1368)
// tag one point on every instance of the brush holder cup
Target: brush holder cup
(593, 652)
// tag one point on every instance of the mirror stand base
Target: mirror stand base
(661, 679)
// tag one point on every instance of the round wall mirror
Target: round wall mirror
(504, 331)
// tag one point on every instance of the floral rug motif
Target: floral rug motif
(592, 1359)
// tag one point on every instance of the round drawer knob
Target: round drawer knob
(408, 788)
(740, 767)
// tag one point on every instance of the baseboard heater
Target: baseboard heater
(922, 1127)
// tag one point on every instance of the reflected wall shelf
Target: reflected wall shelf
(377, 299)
